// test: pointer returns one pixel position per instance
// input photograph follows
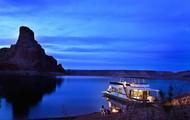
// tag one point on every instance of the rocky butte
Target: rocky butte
(27, 55)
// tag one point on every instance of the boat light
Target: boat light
(115, 110)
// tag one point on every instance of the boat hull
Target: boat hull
(109, 95)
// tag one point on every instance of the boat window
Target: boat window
(153, 93)
(139, 94)
(120, 90)
(113, 89)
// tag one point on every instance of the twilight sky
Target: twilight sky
(104, 34)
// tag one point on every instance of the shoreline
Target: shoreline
(158, 111)
(90, 116)
(30, 73)
(145, 74)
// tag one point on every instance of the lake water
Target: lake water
(40, 97)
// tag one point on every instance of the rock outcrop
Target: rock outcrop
(181, 100)
(27, 55)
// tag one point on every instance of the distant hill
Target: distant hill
(27, 55)
(133, 73)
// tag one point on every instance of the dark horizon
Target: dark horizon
(123, 70)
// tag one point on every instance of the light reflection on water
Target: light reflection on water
(63, 96)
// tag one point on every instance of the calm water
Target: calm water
(62, 96)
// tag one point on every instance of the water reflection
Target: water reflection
(24, 92)
(78, 95)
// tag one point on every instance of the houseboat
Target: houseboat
(131, 91)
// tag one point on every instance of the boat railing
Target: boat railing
(140, 85)
(135, 80)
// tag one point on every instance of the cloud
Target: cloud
(117, 52)
(104, 33)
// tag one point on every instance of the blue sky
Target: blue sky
(104, 34)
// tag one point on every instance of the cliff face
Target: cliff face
(28, 55)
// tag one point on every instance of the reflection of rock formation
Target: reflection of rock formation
(24, 92)
(27, 55)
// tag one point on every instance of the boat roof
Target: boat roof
(137, 77)
(127, 83)
(116, 83)
(135, 87)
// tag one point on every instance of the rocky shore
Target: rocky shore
(177, 109)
